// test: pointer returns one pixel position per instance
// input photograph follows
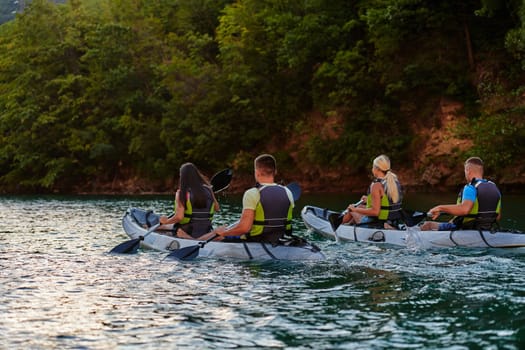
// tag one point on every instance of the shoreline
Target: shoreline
(238, 186)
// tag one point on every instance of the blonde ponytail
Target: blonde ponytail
(391, 189)
(382, 163)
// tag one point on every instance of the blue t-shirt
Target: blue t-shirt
(470, 193)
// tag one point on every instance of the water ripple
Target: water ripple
(61, 289)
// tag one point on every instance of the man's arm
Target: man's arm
(461, 209)
(244, 225)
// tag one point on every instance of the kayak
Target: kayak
(317, 220)
(288, 249)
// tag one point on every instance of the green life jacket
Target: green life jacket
(273, 213)
(389, 210)
(198, 221)
(485, 209)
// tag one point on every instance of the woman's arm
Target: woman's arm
(215, 202)
(376, 194)
(179, 212)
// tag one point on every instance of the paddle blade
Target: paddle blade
(295, 188)
(412, 218)
(221, 180)
(186, 253)
(128, 247)
(335, 220)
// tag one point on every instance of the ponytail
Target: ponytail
(382, 163)
(392, 191)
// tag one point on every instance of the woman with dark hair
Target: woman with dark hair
(195, 204)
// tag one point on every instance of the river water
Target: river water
(60, 289)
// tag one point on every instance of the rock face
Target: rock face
(437, 165)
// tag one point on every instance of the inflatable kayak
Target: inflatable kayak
(294, 248)
(317, 219)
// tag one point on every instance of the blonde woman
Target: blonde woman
(382, 204)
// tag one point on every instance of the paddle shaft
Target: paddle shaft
(190, 252)
(150, 230)
(336, 220)
(346, 210)
(355, 204)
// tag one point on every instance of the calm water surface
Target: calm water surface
(60, 289)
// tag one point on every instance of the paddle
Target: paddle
(295, 188)
(191, 252)
(412, 218)
(219, 182)
(131, 246)
(337, 219)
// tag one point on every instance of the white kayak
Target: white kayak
(317, 220)
(288, 249)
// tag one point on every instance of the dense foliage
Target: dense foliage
(99, 89)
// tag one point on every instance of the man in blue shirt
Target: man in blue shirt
(478, 205)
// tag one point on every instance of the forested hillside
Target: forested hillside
(96, 93)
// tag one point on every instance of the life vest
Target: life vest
(273, 213)
(389, 210)
(486, 208)
(197, 221)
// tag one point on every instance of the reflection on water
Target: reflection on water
(61, 289)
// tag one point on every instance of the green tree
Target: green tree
(93, 89)
(39, 70)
